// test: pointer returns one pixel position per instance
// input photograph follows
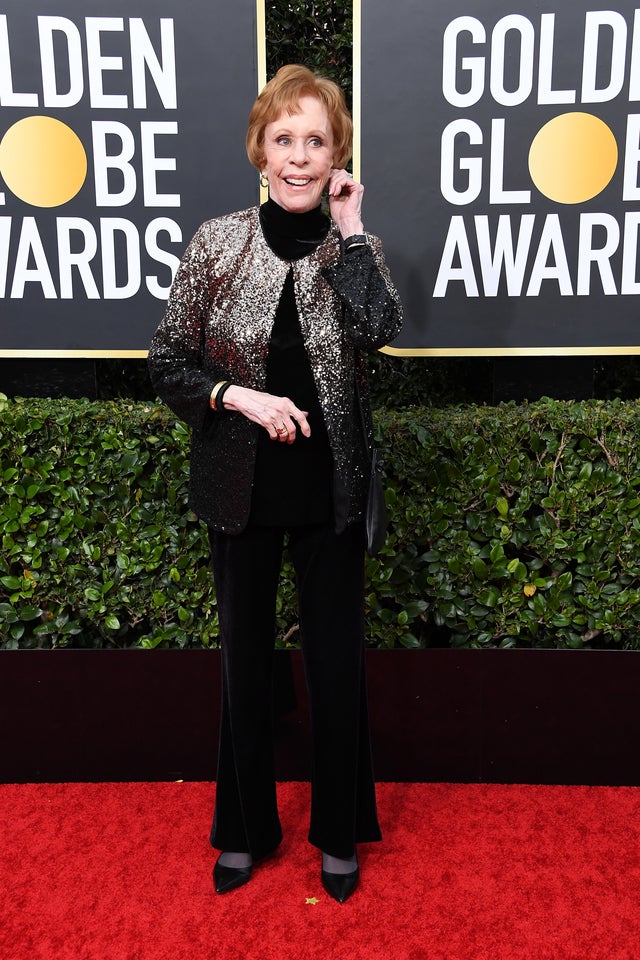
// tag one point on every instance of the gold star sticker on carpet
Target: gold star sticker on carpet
(312, 900)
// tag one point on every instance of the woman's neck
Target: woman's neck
(292, 235)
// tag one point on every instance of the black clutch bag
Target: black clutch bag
(376, 513)
(375, 517)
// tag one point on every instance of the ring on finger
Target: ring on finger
(281, 430)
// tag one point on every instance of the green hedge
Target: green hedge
(510, 526)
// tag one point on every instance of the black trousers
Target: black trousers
(329, 572)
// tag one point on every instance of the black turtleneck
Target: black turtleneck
(292, 482)
(292, 235)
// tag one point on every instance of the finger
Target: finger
(288, 429)
(352, 191)
(281, 418)
(334, 176)
(291, 416)
(283, 428)
(300, 417)
(340, 182)
(343, 189)
(286, 434)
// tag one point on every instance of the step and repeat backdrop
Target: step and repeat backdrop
(122, 128)
(501, 160)
(499, 147)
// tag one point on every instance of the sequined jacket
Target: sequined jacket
(217, 326)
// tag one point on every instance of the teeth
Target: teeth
(296, 183)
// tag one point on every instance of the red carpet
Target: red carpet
(481, 872)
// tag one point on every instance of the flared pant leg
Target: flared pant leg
(246, 572)
(330, 579)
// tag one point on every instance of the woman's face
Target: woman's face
(298, 153)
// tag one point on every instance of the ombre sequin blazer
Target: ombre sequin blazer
(217, 326)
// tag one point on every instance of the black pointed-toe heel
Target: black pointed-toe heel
(226, 879)
(340, 886)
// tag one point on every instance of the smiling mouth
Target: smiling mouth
(297, 181)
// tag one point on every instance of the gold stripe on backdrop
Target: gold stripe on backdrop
(356, 106)
(626, 350)
(57, 354)
(261, 42)
(514, 351)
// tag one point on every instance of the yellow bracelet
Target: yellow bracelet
(215, 392)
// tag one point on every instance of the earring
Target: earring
(266, 182)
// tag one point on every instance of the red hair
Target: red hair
(282, 94)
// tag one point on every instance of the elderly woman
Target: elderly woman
(261, 352)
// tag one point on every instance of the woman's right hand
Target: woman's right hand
(278, 415)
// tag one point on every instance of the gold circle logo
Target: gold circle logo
(573, 157)
(42, 161)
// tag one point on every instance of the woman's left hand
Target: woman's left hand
(345, 202)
